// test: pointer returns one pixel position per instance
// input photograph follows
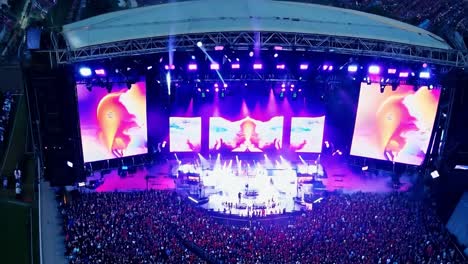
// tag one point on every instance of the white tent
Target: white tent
(205, 16)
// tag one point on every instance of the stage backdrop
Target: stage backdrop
(185, 134)
(113, 125)
(394, 125)
(307, 134)
(246, 135)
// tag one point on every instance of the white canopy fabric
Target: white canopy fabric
(203, 16)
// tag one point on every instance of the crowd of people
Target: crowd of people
(160, 226)
(5, 115)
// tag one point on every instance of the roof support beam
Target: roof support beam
(246, 40)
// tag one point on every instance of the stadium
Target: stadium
(247, 131)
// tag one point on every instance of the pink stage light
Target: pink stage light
(100, 72)
(278, 48)
(374, 69)
(403, 74)
(304, 67)
(235, 66)
(192, 67)
(214, 66)
(219, 48)
(391, 71)
(280, 66)
(169, 67)
(283, 89)
(257, 66)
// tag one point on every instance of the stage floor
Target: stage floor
(279, 190)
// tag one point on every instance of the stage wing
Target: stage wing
(246, 135)
(307, 134)
(394, 125)
(113, 125)
(185, 134)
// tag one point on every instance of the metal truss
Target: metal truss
(245, 40)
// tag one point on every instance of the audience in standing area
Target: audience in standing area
(154, 226)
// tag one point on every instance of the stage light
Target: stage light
(225, 85)
(292, 85)
(219, 48)
(199, 44)
(374, 69)
(382, 88)
(403, 74)
(193, 57)
(89, 86)
(325, 67)
(70, 164)
(280, 67)
(327, 144)
(85, 71)
(257, 66)
(214, 66)
(283, 85)
(352, 68)
(216, 89)
(235, 66)
(461, 167)
(304, 67)
(330, 68)
(365, 168)
(100, 72)
(207, 90)
(435, 174)
(391, 71)
(169, 67)
(251, 54)
(275, 55)
(81, 184)
(192, 67)
(424, 65)
(300, 90)
(215, 85)
(278, 48)
(283, 89)
(424, 75)
(128, 68)
(430, 87)
(199, 89)
(149, 68)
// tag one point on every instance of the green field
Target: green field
(15, 235)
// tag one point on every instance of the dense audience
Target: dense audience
(154, 226)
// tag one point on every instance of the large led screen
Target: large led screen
(307, 134)
(113, 125)
(246, 135)
(185, 134)
(394, 125)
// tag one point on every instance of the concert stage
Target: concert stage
(281, 188)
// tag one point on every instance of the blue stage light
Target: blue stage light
(85, 71)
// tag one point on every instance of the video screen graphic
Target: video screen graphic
(394, 125)
(185, 134)
(246, 135)
(307, 134)
(113, 125)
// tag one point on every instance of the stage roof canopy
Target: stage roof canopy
(204, 16)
